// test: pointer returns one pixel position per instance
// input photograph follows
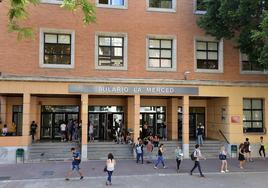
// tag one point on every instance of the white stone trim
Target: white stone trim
(125, 6)
(172, 10)
(41, 48)
(221, 59)
(174, 52)
(249, 72)
(125, 49)
(195, 11)
(186, 149)
(56, 2)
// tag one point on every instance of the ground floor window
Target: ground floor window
(253, 115)
(17, 120)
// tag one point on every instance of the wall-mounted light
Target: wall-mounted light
(186, 74)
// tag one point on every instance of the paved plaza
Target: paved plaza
(130, 174)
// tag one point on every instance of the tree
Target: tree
(243, 21)
(18, 11)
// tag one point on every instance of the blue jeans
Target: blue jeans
(197, 164)
(160, 159)
(139, 155)
(200, 139)
(109, 176)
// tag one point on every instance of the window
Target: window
(161, 5)
(56, 49)
(161, 53)
(111, 51)
(52, 1)
(249, 66)
(253, 115)
(122, 4)
(200, 7)
(209, 56)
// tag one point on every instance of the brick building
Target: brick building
(143, 61)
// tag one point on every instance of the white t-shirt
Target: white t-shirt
(63, 127)
(90, 129)
(4, 130)
(110, 165)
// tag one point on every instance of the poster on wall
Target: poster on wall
(235, 119)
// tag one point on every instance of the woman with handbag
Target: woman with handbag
(110, 164)
(223, 157)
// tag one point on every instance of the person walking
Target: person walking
(76, 156)
(139, 151)
(63, 131)
(110, 164)
(179, 157)
(199, 133)
(197, 156)
(241, 156)
(223, 158)
(262, 148)
(150, 149)
(247, 149)
(160, 157)
(33, 128)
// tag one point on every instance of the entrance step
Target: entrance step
(100, 150)
(50, 151)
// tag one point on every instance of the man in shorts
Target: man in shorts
(75, 164)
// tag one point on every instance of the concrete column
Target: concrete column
(172, 118)
(84, 118)
(26, 117)
(185, 126)
(134, 115)
(3, 109)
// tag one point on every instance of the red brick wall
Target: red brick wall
(22, 58)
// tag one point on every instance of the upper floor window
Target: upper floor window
(112, 3)
(253, 115)
(52, 1)
(111, 51)
(200, 6)
(161, 5)
(161, 53)
(56, 48)
(250, 66)
(208, 56)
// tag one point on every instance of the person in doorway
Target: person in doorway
(155, 141)
(70, 130)
(197, 155)
(164, 131)
(5, 130)
(33, 129)
(179, 157)
(110, 164)
(223, 158)
(91, 132)
(63, 131)
(139, 151)
(262, 148)
(200, 132)
(76, 156)
(241, 156)
(145, 130)
(247, 149)
(160, 157)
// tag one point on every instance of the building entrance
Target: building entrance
(107, 121)
(196, 116)
(53, 116)
(153, 117)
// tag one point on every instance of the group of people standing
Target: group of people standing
(70, 131)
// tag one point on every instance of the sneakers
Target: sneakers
(226, 170)
(202, 176)
(191, 173)
(155, 167)
(81, 177)
(164, 167)
(67, 179)
(222, 171)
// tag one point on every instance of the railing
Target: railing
(221, 133)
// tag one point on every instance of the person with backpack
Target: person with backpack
(196, 156)
(223, 157)
(110, 164)
(75, 164)
(160, 157)
(139, 151)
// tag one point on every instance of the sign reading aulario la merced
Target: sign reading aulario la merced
(106, 89)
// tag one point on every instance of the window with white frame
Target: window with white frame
(52, 1)
(162, 5)
(56, 48)
(200, 6)
(112, 3)
(161, 53)
(209, 55)
(253, 112)
(250, 66)
(111, 51)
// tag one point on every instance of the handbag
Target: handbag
(105, 169)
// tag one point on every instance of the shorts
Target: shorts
(75, 167)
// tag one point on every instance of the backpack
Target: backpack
(138, 149)
(193, 158)
(222, 156)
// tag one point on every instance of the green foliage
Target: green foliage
(18, 11)
(243, 21)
